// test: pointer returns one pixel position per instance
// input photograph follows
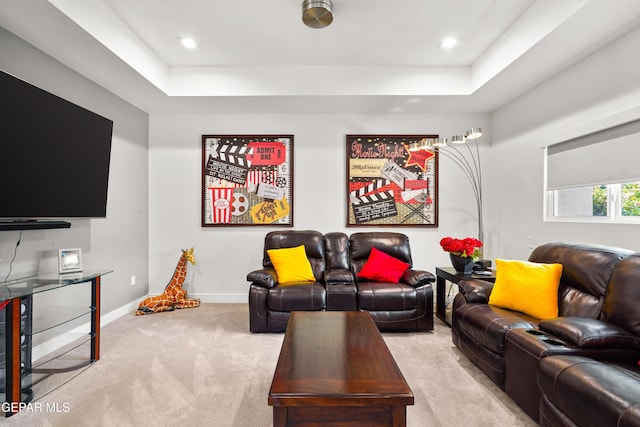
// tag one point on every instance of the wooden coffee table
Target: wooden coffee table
(335, 368)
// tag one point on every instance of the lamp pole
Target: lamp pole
(469, 162)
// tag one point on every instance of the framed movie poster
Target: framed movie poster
(391, 181)
(247, 180)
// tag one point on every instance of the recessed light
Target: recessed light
(448, 43)
(188, 42)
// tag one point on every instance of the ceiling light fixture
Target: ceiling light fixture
(317, 13)
(448, 43)
(188, 42)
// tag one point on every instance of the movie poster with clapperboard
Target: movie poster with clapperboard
(247, 180)
(389, 185)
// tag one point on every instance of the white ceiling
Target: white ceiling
(376, 56)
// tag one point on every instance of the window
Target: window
(630, 199)
(604, 203)
(595, 177)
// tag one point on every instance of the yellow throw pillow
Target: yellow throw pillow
(528, 287)
(291, 264)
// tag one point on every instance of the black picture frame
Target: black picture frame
(247, 180)
(389, 185)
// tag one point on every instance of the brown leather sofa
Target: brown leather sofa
(336, 259)
(598, 318)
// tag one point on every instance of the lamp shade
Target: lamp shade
(458, 139)
(426, 143)
(440, 142)
(473, 133)
(414, 146)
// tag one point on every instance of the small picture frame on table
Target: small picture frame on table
(69, 260)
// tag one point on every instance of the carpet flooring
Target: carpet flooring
(202, 367)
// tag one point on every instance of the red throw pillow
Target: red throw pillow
(382, 267)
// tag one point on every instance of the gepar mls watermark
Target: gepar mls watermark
(39, 407)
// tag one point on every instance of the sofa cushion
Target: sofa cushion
(375, 296)
(621, 302)
(303, 297)
(361, 244)
(590, 392)
(488, 324)
(291, 265)
(381, 267)
(528, 287)
(312, 240)
(586, 270)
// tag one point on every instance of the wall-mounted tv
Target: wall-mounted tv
(54, 155)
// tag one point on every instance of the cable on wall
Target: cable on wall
(15, 252)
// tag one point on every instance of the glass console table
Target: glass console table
(18, 376)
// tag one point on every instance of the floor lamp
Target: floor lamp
(468, 160)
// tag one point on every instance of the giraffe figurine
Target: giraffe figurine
(173, 296)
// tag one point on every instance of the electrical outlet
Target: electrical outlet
(133, 280)
(530, 242)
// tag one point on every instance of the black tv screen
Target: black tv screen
(54, 155)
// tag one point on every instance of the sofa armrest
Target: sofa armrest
(583, 332)
(265, 278)
(417, 278)
(338, 276)
(475, 290)
(341, 290)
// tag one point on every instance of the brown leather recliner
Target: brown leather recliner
(336, 259)
(270, 304)
(407, 305)
(595, 319)
(580, 391)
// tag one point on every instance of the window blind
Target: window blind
(604, 157)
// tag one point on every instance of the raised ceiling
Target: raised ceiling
(376, 56)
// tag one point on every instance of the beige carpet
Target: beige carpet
(201, 367)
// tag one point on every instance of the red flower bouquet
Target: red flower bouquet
(467, 247)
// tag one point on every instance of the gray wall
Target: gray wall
(119, 242)
(600, 91)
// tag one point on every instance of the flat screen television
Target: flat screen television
(54, 155)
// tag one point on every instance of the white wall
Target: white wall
(225, 255)
(601, 91)
(120, 241)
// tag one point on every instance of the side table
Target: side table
(444, 274)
